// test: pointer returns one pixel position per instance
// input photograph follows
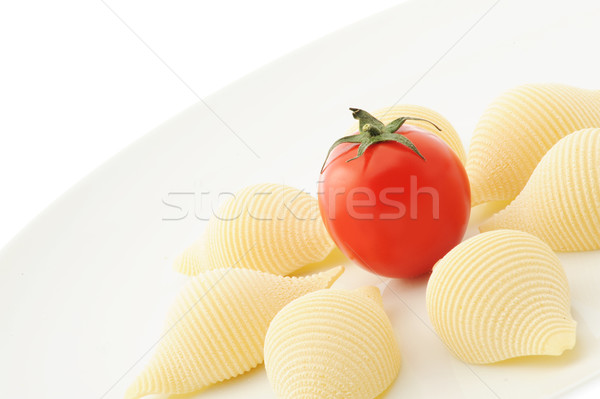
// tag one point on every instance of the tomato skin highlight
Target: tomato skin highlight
(392, 212)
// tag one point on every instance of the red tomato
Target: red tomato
(389, 210)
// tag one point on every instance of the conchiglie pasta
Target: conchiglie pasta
(332, 344)
(501, 295)
(268, 227)
(517, 129)
(194, 259)
(446, 132)
(216, 328)
(561, 201)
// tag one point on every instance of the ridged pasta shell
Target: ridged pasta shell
(447, 133)
(517, 129)
(216, 328)
(268, 227)
(332, 344)
(561, 201)
(500, 295)
(190, 262)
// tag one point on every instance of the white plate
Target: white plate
(85, 287)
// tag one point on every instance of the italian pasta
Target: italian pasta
(517, 129)
(500, 295)
(216, 328)
(332, 344)
(268, 227)
(561, 201)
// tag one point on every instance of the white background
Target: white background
(77, 86)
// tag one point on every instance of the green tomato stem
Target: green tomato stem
(371, 131)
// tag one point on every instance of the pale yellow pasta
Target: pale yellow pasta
(561, 201)
(216, 328)
(446, 132)
(500, 295)
(193, 260)
(517, 129)
(332, 344)
(268, 227)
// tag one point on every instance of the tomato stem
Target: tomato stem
(371, 131)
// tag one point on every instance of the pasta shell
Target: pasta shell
(500, 295)
(517, 129)
(193, 260)
(561, 201)
(268, 227)
(447, 132)
(332, 344)
(216, 328)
